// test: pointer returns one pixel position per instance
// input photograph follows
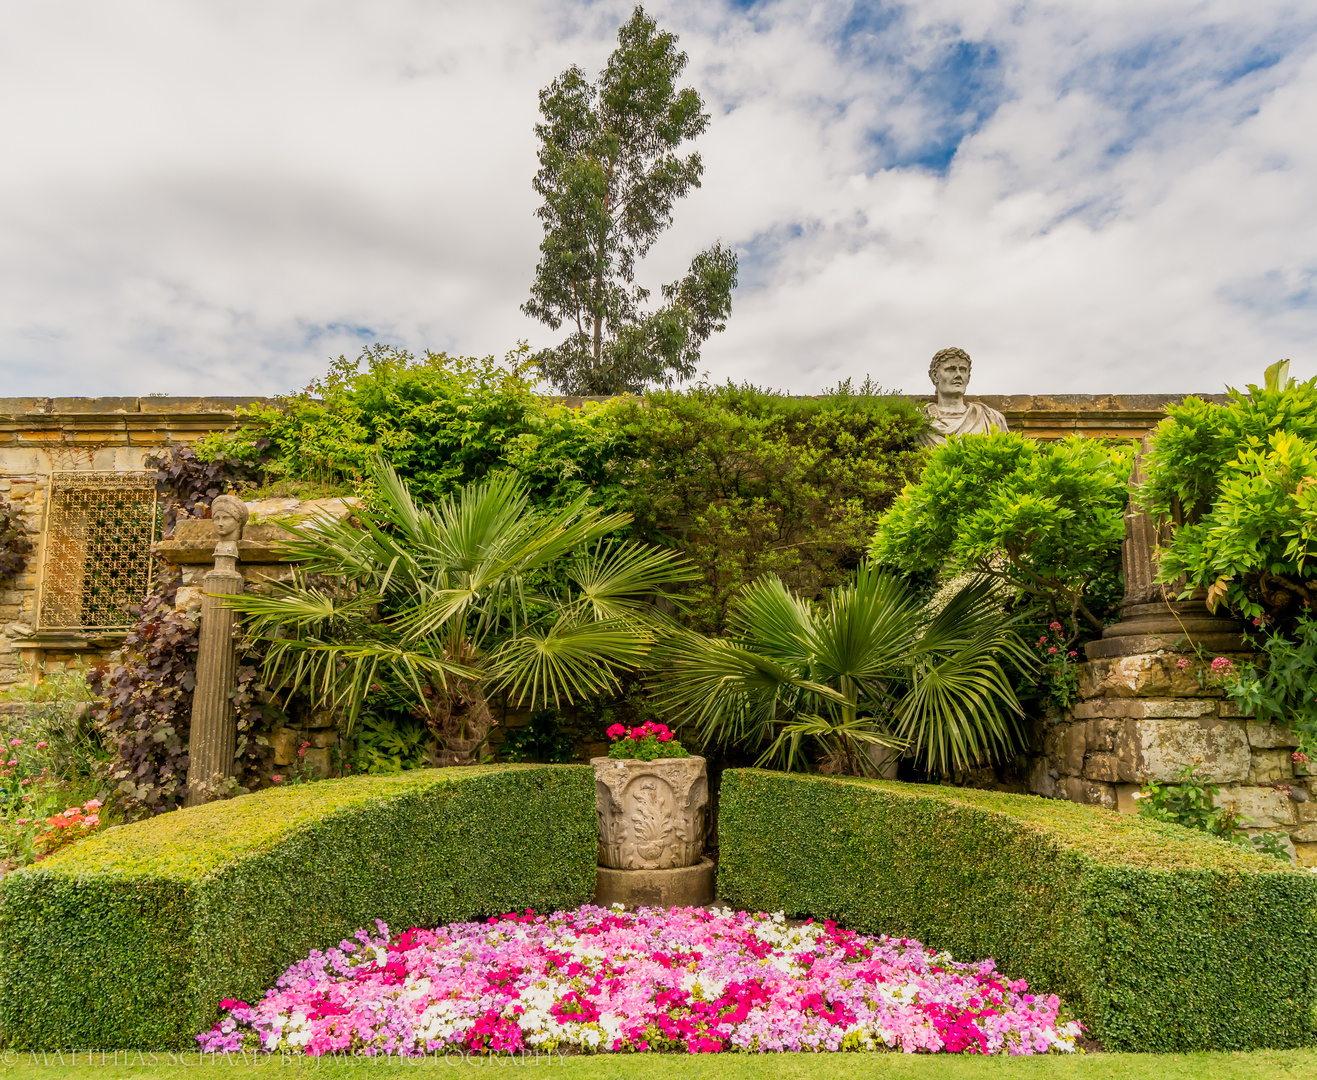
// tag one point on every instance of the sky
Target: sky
(1090, 196)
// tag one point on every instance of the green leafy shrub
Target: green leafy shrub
(542, 740)
(1046, 518)
(748, 482)
(132, 938)
(1283, 689)
(1161, 939)
(1240, 482)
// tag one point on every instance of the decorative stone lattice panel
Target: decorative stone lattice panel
(97, 561)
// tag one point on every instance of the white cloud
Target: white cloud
(216, 196)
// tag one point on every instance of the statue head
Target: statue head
(950, 370)
(229, 513)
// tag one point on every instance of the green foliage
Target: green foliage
(609, 174)
(1240, 481)
(1191, 802)
(53, 757)
(1046, 518)
(441, 422)
(133, 938)
(748, 482)
(443, 604)
(540, 740)
(381, 745)
(1283, 690)
(870, 666)
(1160, 939)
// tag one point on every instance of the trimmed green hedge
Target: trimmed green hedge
(1159, 938)
(131, 938)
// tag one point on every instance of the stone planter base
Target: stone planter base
(686, 886)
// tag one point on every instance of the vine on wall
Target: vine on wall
(15, 544)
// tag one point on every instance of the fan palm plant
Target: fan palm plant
(449, 603)
(870, 666)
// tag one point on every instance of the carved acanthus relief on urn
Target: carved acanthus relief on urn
(651, 813)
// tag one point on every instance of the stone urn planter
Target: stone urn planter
(651, 813)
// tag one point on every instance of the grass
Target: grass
(19, 1065)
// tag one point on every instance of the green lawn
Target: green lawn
(19, 1065)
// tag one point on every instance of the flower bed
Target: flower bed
(597, 979)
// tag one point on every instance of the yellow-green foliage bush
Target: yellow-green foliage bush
(1159, 938)
(132, 938)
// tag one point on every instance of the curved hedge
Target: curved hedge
(131, 938)
(1160, 938)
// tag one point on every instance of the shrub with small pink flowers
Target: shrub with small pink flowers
(644, 742)
(1057, 678)
(603, 980)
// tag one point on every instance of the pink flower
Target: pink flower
(24, 782)
(92, 804)
(1042, 640)
(90, 821)
(1055, 627)
(615, 731)
(1183, 662)
(42, 746)
(15, 742)
(1221, 665)
(1299, 757)
(22, 821)
(276, 779)
(301, 750)
(12, 762)
(1073, 654)
(1051, 650)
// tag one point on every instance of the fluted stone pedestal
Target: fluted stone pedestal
(214, 737)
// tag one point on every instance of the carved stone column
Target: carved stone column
(214, 736)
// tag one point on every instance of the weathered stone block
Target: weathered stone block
(1269, 735)
(1259, 808)
(285, 742)
(323, 737)
(1305, 854)
(1306, 834)
(1161, 747)
(1041, 781)
(1070, 749)
(1101, 735)
(1125, 801)
(1270, 767)
(1090, 792)
(317, 761)
(1102, 767)
(1230, 709)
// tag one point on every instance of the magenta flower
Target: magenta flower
(605, 980)
(1055, 627)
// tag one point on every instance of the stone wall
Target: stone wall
(1144, 716)
(39, 436)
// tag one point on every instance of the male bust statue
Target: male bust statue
(951, 414)
(229, 515)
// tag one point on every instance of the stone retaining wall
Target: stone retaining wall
(1145, 716)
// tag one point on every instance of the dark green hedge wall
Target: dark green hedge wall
(131, 938)
(1159, 938)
